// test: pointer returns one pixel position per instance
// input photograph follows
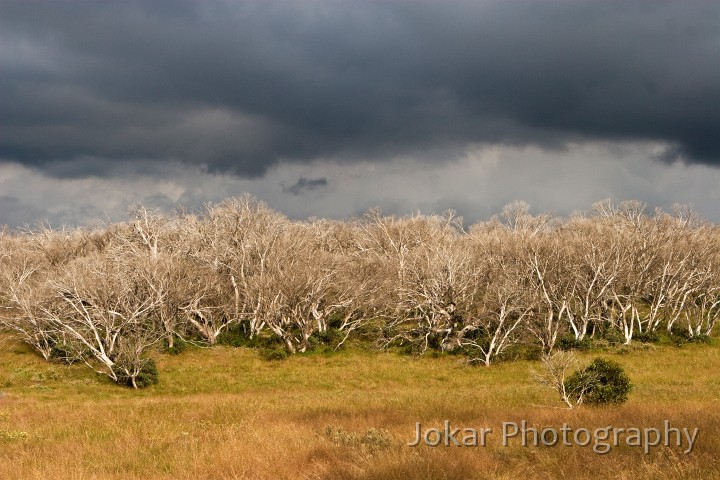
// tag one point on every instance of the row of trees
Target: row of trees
(104, 296)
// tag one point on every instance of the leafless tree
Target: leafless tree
(300, 288)
(556, 369)
(22, 296)
(547, 261)
(224, 250)
(103, 307)
(507, 300)
(594, 265)
(441, 292)
(106, 294)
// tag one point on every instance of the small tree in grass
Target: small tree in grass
(603, 382)
(600, 383)
(557, 368)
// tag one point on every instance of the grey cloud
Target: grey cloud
(15, 213)
(305, 184)
(242, 86)
(476, 184)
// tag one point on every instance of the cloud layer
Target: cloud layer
(134, 89)
(477, 184)
(240, 86)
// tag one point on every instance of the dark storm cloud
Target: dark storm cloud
(241, 86)
(305, 184)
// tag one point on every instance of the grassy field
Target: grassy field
(226, 413)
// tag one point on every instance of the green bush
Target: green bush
(613, 336)
(681, 337)
(148, 375)
(331, 337)
(603, 382)
(324, 342)
(521, 351)
(64, 353)
(179, 346)
(235, 335)
(277, 353)
(569, 342)
(647, 336)
(700, 338)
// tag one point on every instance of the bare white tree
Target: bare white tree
(556, 369)
(508, 299)
(103, 307)
(548, 260)
(22, 296)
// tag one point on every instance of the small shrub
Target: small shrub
(614, 336)
(521, 351)
(235, 336)
(700, 338)
(61, 352)
(313, 344)
(681, 337)
(603, 382)
(569, 342)
(331, 337)
(648, 336)
(179, 346)
(324, 342)
(277, 353)
(148, 375)
(335, 320)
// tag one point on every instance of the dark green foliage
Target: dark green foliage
(148, 375)
(603, 382)
(277, 353)
(235, 335)
(335, 320)
(651, 336)
(179, 346)
(463, 350)
(680, 337)
(406, 348)
(700, 338)
(569, 342)
(612, 336)
(61, 352)
(684, 337)
(324, 342)
(521, 351)
(331, 337)
(433, 348)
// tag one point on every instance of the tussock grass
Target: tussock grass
(225, 413)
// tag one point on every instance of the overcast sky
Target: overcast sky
(328, 108)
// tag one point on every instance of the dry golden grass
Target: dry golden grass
(226, 413)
